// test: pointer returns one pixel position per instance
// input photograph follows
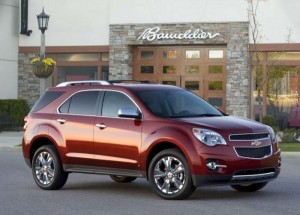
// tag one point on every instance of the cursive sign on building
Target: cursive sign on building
(152, 34)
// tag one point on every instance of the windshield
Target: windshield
(179, 103)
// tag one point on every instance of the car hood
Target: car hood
(228, 124)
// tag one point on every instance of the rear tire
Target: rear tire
(250, 187)
(122, 179)
(170, 176)
(47, 168)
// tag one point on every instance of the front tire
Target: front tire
(249, 187)
(170, 176)
(47, 169)
(122, 179)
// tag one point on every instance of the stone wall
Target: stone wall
(235, 35)
(28, 84)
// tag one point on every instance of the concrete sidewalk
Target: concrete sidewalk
(10, 139)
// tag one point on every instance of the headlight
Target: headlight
(208, 137)
(272, 134)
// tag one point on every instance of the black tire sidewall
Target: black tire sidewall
(188, 187)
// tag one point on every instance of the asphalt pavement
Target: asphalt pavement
(97, 194)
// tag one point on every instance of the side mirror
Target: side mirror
(129, 113)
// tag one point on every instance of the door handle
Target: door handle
(101, 126)
(61, 121)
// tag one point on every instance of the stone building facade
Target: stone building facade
(235, 36)
(28, 83)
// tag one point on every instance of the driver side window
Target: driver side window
(113, 102)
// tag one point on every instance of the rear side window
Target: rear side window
(82, 103)
(46, 99)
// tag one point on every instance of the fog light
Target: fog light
(213, 165)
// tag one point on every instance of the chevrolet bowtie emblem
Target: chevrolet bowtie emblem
(256, 143)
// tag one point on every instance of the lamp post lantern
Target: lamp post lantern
(43, 20)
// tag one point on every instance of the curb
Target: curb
(10, 149)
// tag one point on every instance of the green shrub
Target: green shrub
(17, 109)
(290, 135)
(269, 120)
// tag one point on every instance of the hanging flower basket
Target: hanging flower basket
(42, 68)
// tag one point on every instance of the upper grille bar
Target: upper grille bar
(248, 137)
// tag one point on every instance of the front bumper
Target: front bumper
(231, 179)
(235, 170)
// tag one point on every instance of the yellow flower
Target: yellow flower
(45, 62)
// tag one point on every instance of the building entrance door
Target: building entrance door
(200, 69)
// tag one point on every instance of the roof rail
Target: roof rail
(76, 83)
(131, 82)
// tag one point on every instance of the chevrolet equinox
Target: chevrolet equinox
(166, 134)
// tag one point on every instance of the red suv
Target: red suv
(165, 134)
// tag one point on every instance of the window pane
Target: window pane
(215, 69)
(65, 107)
(192, 70)
(76, 73)
(283, 96)
(147, 54)
(192, 85)
(170, 54)
(215, 53)
(105, 73)
(215, 85)
(113, 102)
(47, 98)
(217, 102)
(192, 54)
(169, 83)
(169, 69)
(147, 69)
(283, 55)
(84, 103)
(77, 57)
(104, 56)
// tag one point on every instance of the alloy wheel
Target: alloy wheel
(169, 175)
(44, 168)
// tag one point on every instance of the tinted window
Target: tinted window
(176, 104)
(84, 103)
(65, 107)
(113, 102)
(47, 98)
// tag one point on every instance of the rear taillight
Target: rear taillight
(25, 122)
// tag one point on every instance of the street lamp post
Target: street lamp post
(43, 20)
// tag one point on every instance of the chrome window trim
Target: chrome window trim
(248, 134)
(253, 147)
(96, 115)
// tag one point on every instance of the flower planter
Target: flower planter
(42, 71)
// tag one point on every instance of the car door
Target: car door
(117, 139)
(75, 122)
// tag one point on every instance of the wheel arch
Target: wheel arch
(39, 142)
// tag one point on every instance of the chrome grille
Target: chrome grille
(254, 152)
(245, 137)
